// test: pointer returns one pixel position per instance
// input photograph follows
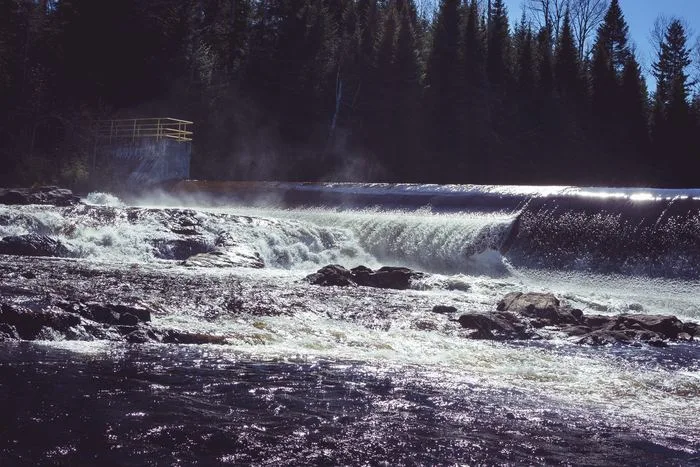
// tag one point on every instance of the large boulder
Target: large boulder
(545, 308)
(386, 277)
(383, 278)
(332, 275)
(41, 195)
(494, 325)
(667, 326)
(33, 245)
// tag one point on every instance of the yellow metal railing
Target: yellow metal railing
(136, 128)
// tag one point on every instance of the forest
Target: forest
(353, 90)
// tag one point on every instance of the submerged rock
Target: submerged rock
(383, 278)
(181, 248)
(41, 195)
(33, 245)
(227, 257)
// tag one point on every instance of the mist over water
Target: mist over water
(331, 375)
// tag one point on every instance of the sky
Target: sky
(640, 16)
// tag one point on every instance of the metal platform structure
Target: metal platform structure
(131, 153)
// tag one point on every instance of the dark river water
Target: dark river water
(170, 405)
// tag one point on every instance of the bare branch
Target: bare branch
(547, 14)
(586, 16)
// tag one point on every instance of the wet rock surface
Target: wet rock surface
(33, 245)
(518, 316)
(387, 277)
(62, 320)
(40, 195)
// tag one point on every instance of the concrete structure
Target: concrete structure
(141, 152)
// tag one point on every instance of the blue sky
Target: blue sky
(640, 15)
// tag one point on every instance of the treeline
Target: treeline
(351, 90)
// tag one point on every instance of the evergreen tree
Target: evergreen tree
(635, 129)
(525, 59)
(545, 68)
(672, 113)
(611, 53)
(444, 79)
(473, 48)
(566, 67)
(498, 44)
(407, 111)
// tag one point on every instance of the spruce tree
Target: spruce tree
(545, 68)
(610, 54)
(567, 72)
(525, 58)
(672, 114)
(444, 79)
(498, 44)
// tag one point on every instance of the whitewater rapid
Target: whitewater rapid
(476, 244)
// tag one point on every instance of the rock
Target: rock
(178, 337)
(598, 338)
(390, 278)
(361, 275)
(227, 257)
(667, 326)
(384, 278)
(8, 332)
(692, 329)
(111, 314)
(518, 302)
(138, 336)
(127, 319)
(597, 321)
(41, 195)
(537, 310)
(30, 323)
(504, 325)
(332, 275)
(545, 307)
(180, 249)
(33, 245)
(577, 330)
(444, 309)
(141, 313)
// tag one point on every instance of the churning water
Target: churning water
(315, 375)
